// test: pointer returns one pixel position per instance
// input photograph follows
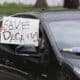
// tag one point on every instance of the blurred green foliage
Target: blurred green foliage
(11, 8)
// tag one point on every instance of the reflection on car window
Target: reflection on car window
(66, 33)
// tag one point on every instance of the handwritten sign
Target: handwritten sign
(23, 31)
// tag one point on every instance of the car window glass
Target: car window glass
(13, 47)
(66, 33)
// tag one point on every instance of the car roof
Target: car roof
(52, 16)
(55, 16)
(62, 15)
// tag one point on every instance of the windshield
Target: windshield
(66, 33)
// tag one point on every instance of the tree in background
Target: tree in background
(71, 4)
(41, 4)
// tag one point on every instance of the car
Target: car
(58, 51)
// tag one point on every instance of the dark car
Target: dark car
(58, 52)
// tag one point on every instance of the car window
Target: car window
(66, 33)
(42, 41)
(13, 47)
(25, 48)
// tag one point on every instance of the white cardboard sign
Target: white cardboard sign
(23, 31)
